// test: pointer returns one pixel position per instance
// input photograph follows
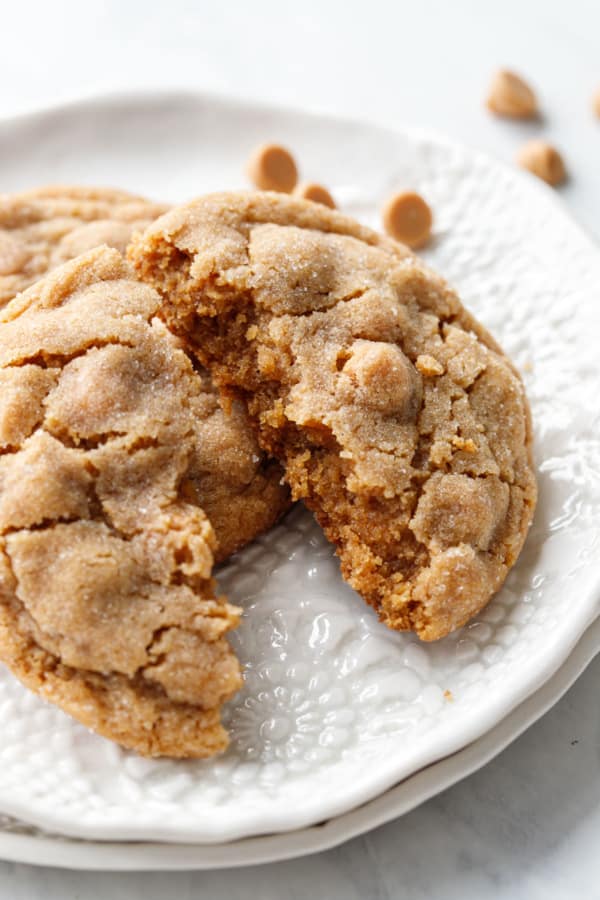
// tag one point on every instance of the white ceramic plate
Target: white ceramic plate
(24, 843)
(336, 709)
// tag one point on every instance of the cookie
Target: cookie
(398, 419)
(43, 228)
(115, 459)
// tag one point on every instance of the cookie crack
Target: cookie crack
(9, 449)
(319, 310)
(43, 525)
(47, 360)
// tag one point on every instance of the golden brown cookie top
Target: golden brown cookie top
(42, 228)
(107, 604)
(383, 397)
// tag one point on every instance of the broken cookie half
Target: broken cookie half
(115, 456)
(397, 417)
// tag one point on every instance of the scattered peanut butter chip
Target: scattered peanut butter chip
(511, 96)
(448, 695)
(428, 365)
(272, 168)
(596, 103)
(310, 190)
(543, 160)
(407, 218)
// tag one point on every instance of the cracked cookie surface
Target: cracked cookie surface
(43, 228)
(114, 450)
(398, 419)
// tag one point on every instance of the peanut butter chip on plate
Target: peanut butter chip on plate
(273, 168)
(407, 218)
(511, 96)
(310, 190)
(543, 160)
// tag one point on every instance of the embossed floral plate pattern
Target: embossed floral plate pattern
(337, 709)
(27, 843)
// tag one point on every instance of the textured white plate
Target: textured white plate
(26, 843)
(337, 709)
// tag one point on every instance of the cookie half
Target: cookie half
(395, 414)
(115, 458)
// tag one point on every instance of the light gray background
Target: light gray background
(527, 825)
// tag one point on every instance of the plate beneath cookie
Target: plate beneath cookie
(25, 843)
(337, 709)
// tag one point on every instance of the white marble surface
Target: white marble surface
(526, 826)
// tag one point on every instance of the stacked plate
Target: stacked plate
(342, 724)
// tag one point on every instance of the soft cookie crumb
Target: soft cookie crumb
(543, 160)
(311, 190)
(407, 218)
(511, 96)
(466, 444)
(428, 365)
(273, 168)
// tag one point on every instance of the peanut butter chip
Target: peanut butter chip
(407, 218)
(543, 160)
(511, 96)
(310, 190)
(272, 168)
(381, 376)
